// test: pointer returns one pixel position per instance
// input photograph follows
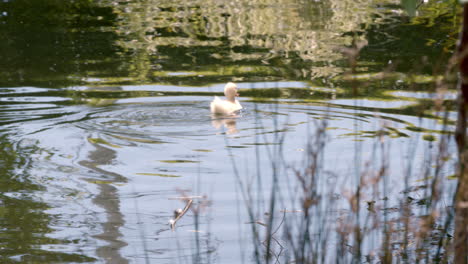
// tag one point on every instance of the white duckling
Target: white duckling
(228, 106)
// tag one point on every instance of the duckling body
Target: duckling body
(228, 106)
(225, 107)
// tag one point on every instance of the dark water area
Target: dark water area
(105, 122)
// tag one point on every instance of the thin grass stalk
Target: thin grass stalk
(245, 196)
(274, 189)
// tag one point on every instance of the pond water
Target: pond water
(105, 122)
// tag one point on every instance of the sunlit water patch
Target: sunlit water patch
(447, 95)
(373, 103)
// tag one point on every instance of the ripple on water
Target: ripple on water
(160, 122)
(31, 99)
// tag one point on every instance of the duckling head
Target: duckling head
(230, 91)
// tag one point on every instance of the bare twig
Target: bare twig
(179, 213)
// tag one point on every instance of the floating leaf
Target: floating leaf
(415, 129)
(158, 174)
(100, 182)
(452, 177)
(202, 150)
(141, 140)
(102, 141)
(425, 179)
(429, 137)
(180, 161)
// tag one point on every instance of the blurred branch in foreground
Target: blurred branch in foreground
(461, 207)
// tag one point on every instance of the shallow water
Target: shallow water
(110, 125)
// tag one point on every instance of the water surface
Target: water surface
(105, 122)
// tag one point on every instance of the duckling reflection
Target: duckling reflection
(228, 123)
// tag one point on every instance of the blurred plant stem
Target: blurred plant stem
(461, 205)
